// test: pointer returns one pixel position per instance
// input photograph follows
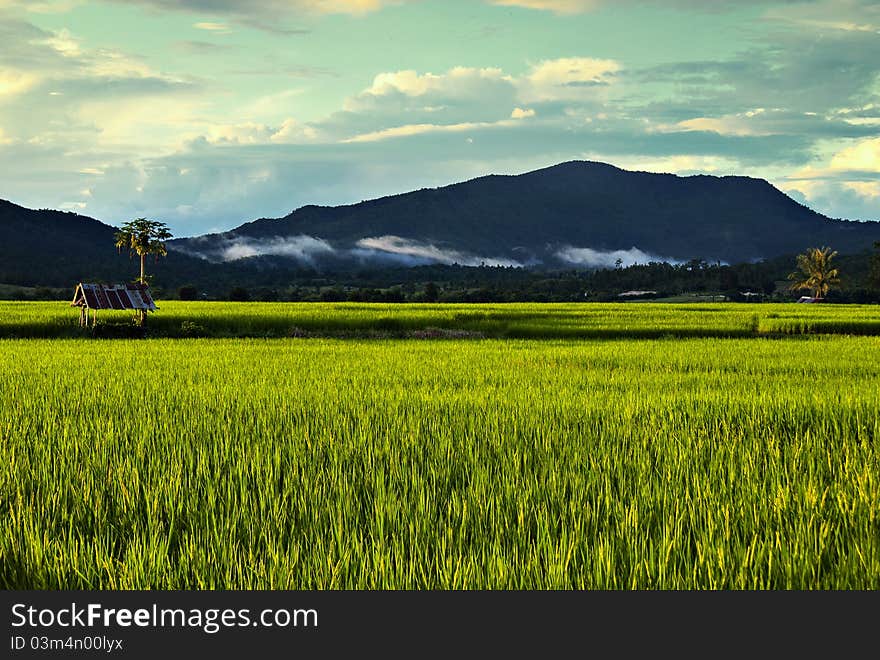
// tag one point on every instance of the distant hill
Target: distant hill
(575, 213)
(59, 249)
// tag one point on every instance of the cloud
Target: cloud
(414, 252)
(681, 164)
(219, 28)
(840, 15)
(41, 7)
(82, 103)
(798, 93)
(860, 199)
(556, 6)
(812, 72)
(844, 161)
(869, 189)
(607, 259)
(737, 124)
(302, 248)
(280, 8)
(461, 95)
(757, 122)
(408, 103)
(269, 7)
(16, 82)
(311, 250)
(246, 133)
(864, 155)
(419, 129)
(844, 183)
(411, 83)
(291, 131)
(567, 77)
(266, 15)
(520, 113)
(195, 46)
(569, 7)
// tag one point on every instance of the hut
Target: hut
(92, 297)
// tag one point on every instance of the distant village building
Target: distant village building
(810, 299)
(92, 297)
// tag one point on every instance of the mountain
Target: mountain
(59, 249)
(576, 213)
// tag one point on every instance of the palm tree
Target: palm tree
(815, 272)
(141, 236)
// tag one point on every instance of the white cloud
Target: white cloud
(246, 133)
(607, 259)
(824, 15)
(291, 132)
(308, 249)
(41, 7)
(868, 189)
(65, 43)
(843, 161)
(674, 164)
(335, 6)
(303, 248)
(736, 125)
(272, 107)
(567, 78)
(556, 6)
(419, 129)
(458, 79)
(419, 252)
(407, 103)
(863, 155)
(860, 199)
(221, 28)
(520, 113)
(81, 105)
(14, 82)
(269, 9)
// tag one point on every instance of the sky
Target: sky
(209, 113)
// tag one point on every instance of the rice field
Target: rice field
(508, 321)
(676, 462)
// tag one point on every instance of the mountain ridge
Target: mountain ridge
(576, 214)
(583, 205)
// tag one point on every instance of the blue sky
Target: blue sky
(210, 113)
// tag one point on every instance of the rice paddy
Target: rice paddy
(506, 321)
(359, 447)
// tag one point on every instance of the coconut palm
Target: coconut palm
(142, 237)
(815, 272)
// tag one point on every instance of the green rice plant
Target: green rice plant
(707, 463)
(176, 319)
